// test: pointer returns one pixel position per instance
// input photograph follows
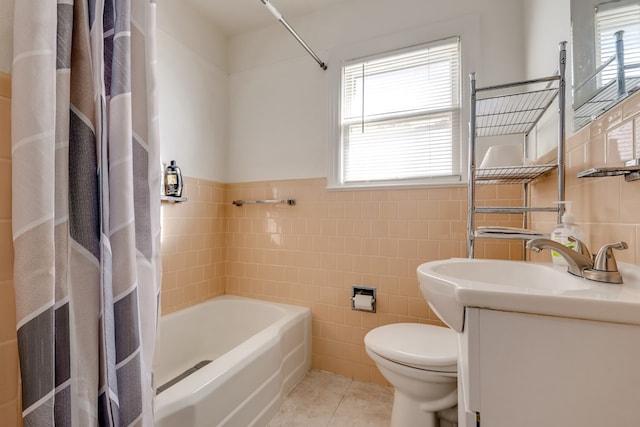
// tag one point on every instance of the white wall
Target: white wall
(193, 92)
(6, 35)
(546, 23)
(279, 96)
(269, 118)
(193, 87)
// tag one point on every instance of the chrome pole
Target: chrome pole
(284, 22)
(622, 89)
(561, 125)
(471, 196)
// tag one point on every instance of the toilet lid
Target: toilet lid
(428, 347)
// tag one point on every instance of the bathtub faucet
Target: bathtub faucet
(601, 268)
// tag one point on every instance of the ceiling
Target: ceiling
(234, 17)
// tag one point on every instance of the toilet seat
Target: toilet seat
(420, 346)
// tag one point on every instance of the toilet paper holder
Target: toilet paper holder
(363, 299)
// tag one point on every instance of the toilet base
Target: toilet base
(407, 413)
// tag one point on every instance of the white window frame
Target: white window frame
(467, 30)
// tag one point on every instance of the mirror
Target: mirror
(606, 55)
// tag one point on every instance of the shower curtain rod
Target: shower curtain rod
(284, 22)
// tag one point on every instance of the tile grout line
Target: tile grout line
(333, 414)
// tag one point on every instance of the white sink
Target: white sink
(536, 288)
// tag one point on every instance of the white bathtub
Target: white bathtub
(259, 351)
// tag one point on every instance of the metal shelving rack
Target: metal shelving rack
(510, 114)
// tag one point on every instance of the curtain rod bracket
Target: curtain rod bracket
(284, 22)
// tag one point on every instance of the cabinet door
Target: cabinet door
(549, 371)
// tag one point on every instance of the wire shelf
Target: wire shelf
(513, 210)
(512, 114)
(513, 109)
(508, 233)
(601, 101)
(630, 171)
(512, 174)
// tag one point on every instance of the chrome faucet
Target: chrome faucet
(601, 268)
(576, 260)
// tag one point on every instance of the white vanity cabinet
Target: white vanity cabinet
(521, 370)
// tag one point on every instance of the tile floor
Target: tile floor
(329, 400)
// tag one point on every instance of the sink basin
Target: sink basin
(523, 276)
(536, 288)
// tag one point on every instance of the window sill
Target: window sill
(457, 181)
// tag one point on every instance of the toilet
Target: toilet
(420, 361)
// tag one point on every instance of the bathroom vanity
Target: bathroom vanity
(538, 346)
(523, 370)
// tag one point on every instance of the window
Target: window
(608, 21)
(400, 117)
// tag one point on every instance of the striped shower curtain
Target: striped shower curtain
(86, 210)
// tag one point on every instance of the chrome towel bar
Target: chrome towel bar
(290, 202)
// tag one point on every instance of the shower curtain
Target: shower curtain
(86, 210)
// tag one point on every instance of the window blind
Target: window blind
(608, 21)
(400, 114)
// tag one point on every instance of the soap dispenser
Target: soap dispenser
(567, 227)
(173, 180)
